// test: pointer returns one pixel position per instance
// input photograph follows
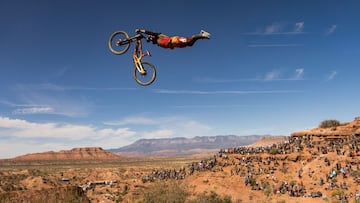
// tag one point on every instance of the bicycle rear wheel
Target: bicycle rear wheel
(148, 77)
(119, 42)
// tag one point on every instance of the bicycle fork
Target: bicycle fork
(138, 65)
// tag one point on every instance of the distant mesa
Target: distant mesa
(84, 154)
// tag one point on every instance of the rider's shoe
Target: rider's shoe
(204, 34)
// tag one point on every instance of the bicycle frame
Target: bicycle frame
(138, 54)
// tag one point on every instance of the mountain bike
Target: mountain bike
(119, 43)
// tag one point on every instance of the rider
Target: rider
(173, 41)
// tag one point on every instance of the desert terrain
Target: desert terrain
(314, 165)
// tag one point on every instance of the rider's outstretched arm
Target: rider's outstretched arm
(147, 32)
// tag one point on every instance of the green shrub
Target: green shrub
(329, 124)
(337, 192)
(274, 151)
(165, 192)
(213, 197)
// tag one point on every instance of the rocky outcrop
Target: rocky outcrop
(343, 130)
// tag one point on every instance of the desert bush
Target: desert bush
(213, 197)
(274, 151)
(284, 169)
(252, 181)
(166, 192)
(329, 124)
(267, 191)
(337, 192)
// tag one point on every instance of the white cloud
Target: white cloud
(201, 92)
(274, 45)
(299, 73)
(332, 29)
(273, 28)
(273, 75)
(34, 110)
(196, 125)
(331, 75)
(163, 133)
(276, 75)
(48, 98)
(299, 27)
(137, 120)
(280, 29)
(57, 88)
(17, 128)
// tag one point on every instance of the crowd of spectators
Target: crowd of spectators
(255, 163)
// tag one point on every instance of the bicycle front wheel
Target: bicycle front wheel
(148, 77)
(119, 42)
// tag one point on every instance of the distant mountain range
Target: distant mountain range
(180, 146)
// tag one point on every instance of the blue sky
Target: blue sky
(270, 67)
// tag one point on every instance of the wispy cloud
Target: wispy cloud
(35, 110)
(219, 80)
(48, 98)
(331, 30)
(299, 27)
(273, 75)
(274, 45)
(13, 104)
(139, 120)
(63, 108)
(53, 105)
(273, 28)
(214, 106)
(277, 75)
(53, 99)
(55, 87)
(299, 73)
(331, 75)
(280, 29)
(201, 92)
